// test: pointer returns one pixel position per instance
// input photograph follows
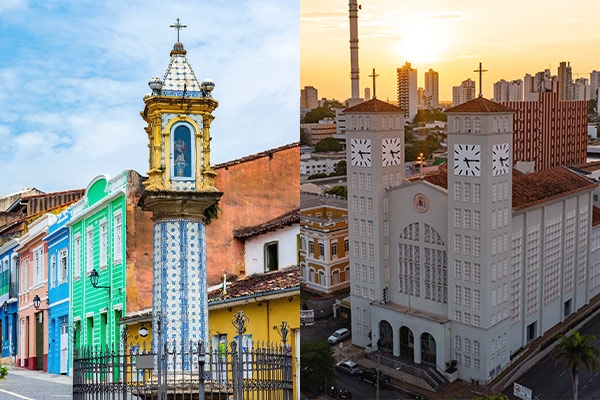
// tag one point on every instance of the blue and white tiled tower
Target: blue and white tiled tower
(181, 195)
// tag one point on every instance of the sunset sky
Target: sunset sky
(511, 38)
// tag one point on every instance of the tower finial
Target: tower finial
(179, 27)
(374, 75)
(481, 71)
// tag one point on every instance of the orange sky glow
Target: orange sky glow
(511, 38)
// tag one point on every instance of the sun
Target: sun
(421, 41)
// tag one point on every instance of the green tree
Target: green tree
(317, 114)
(338, 190)
(340, 169)
(430, 116)
(318, 176)
(303, 138)
(327, 144)
(576, 350)
(316, 365)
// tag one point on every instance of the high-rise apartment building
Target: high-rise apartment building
(541, 82)
(431, 96)
(581, 89)
(407, 90)
(508, 91)
(463, 93)
(549, 132)
(565, 81)
(594, 81)
(309, 97)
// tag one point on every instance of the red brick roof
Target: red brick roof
(534, 188)
(595, 216)
(373, 106)
(539, 187)
(266, 153)
(267, 283)
(287, 219)
(479, 105)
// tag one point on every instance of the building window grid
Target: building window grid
(476, 273)
(38, 265)
(467, 193)
(62, 265)
(77, 256)
(52, 271)
(476, 193)
(118, 237)
(458, 269)
(457, 191)
(532, 294)
(467, 219)
(103, 244)
(476, 299)
(409, 269)
(89, 245)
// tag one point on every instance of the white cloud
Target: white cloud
(74, 75)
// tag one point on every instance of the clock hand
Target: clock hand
(360, 153)
(467, 161)
(502, 160)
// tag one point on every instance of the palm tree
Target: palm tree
(577, 350)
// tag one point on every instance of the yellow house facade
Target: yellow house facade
(267, 300)
(324, 247)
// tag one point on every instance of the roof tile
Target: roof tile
(373, 106)
(479, 105)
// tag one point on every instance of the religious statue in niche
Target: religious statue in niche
(182, 152)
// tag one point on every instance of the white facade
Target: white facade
(431, 96)
(463, 93)
(508, 91)
(460, 272)
(283, 239)
(408, 97)
(318, 166)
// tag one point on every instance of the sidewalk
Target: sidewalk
(455, 390)
(41, 375)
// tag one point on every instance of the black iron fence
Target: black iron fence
(184, 372)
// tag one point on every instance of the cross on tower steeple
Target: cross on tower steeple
(481, 71)
(374, 75)
(179, 27)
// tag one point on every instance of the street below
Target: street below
(24, 384)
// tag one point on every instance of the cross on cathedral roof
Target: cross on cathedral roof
(179, 27)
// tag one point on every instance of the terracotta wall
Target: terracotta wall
(139, 259)
(256, 189)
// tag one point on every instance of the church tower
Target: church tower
(181, 195)
(479, 235)
(375, 162)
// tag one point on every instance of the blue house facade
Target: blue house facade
(59, 343)
(9, 302)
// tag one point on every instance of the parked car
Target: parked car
(348, 367)
(370, 376)
(339, 336)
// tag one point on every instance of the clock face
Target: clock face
(391, 152)
(500, 159)
(467, 159)
(360, 152)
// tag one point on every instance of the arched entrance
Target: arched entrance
(428, 349)
(386, 337)
(407, 343)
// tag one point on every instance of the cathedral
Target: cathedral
(465, 266)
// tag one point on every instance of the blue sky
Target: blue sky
(74, 73)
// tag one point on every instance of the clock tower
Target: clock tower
(181, 195)
(479, 232)
(375, 162)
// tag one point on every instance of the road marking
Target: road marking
(16, 395)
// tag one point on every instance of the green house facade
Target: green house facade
(98, 243)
